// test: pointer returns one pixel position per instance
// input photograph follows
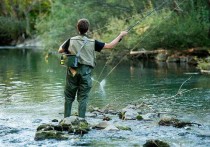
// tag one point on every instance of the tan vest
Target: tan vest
(87, 53)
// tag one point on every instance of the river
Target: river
(31, 93)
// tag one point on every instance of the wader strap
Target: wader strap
(84, 42)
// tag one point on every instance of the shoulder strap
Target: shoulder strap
(84, 42)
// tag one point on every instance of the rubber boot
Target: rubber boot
(67, 108)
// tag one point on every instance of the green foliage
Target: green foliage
(168, 29)
(204, 64)
(107, 17)
(10, 29)
(176, 24)
(173, 31)
(21, 12)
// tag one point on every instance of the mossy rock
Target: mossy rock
(139, 117)
(125, 128)
(75, 125)
(52, 134)
(174, 122)
(48, 127)
(155, 143)
(80, 128)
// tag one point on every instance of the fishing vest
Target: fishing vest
(87, 53)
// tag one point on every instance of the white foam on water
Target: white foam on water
(102, 85)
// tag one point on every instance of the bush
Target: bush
(10, 29)
(165, 28)
(204, 64)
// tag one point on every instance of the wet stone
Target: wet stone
(139, 117)
(61, 131)
(75, 125)
(155, 143)
(111, 127)
(174, 122)
(125, 128)
(54, 120)
(102, 125)
(52, 134)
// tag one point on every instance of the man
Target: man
(78, 80)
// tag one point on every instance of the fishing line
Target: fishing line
(139, 41)
(128, 29)
(129, 18)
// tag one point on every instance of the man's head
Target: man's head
(83, 26)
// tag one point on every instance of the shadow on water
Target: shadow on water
(31, 93)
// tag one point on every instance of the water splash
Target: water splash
(101, 85)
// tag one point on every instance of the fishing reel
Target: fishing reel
(63, 59)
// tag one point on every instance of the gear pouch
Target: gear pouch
(72, 61)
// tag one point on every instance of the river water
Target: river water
(31, 93)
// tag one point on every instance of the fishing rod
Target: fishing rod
(150, 13)
(131, 27)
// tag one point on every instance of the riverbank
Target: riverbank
(198, 57)
(31, 43)
(27, 44)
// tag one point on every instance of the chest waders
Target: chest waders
(79, 85)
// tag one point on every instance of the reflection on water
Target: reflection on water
(31, 91)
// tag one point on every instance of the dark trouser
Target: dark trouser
(79, 85)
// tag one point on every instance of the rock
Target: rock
(74, 124)
(45, 127)
(106, 118)
(111, 127)
(155, 143)
(139, 117)
(48, 127)
(125, 128)
(102, 125)
(129, 107)
(52, 134)
(128, 114)
(88, 114)
(94, 109)
(149, 116)
(112, 112)
(71, 120)
(54, 120)
(174, 122)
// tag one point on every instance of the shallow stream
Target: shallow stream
(31, 93)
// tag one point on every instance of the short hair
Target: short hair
(83, 25)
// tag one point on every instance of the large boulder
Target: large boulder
(74, 124)
(51, 134)
(68, 125)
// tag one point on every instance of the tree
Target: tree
(208, 3)
(21, 16)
